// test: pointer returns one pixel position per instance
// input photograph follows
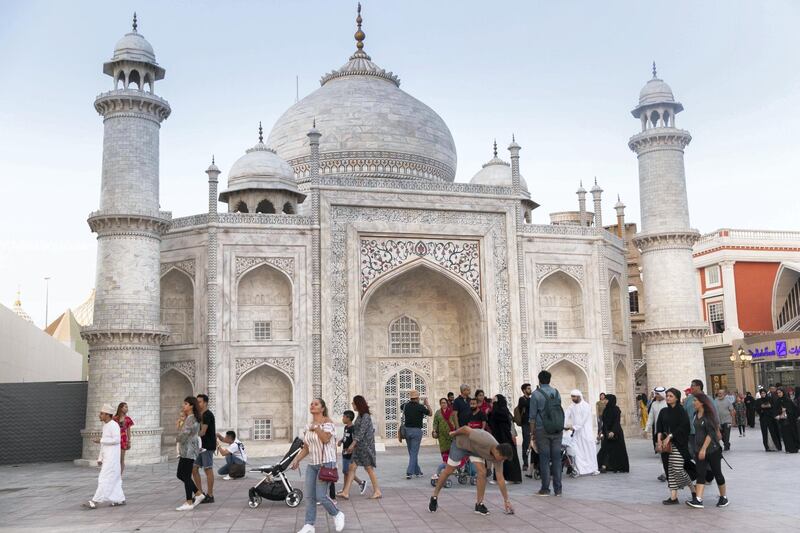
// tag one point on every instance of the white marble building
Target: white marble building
(348, 261)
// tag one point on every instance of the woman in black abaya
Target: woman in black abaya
(500, 421)
(787, 420)
(613, 456)
(672, 429)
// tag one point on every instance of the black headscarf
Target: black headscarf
(499, 410)
(675, 420)
(611, 412)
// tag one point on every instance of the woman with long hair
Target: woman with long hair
(709, 452)
(613, 456)
(319, 445)
(787, 420)
(188, 449)
(445, 420)
(672, 442)
(740, 409)
(125, 422)
(500, 423)
(362, 448)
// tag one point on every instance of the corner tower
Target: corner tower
(126, 334)
(673, 333)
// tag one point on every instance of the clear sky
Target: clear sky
(563, 76)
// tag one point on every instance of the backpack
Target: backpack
(517, 416)
(552, 414)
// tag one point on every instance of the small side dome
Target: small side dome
(656, 91)
(496, 172)
(134, 47)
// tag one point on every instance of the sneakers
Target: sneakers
(670, 501)
(362, 487)
(89, 505)
(308, 528)
(198, 499)
(481, 509)
(408, 476)
(492, 482)
(207, 499)
(695, 503)
(723, 502)
(662, 478)
(543, 492)
(227, 478)
(338, 521)
(433, 504)
(185, 507)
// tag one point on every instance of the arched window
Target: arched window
(148, 82)
(265, 206)
(654, 118)
(288, 208)
(241, 207)
(615, 296)
(395, 395)
(561, 307)
(120, 80)
(633, 296)
(133, 77)
(404, 337)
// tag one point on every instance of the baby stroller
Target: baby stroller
(566, 458)
(274, 486)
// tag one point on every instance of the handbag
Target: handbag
(236, 470)
(401, 431)
(330, 474)
(666, 446)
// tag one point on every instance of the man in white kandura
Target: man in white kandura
(109, 483)
(579, 421)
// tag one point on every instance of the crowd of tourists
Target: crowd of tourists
(478, 438)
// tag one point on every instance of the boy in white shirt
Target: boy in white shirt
(233, 451)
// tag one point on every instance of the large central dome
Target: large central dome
(370, 127)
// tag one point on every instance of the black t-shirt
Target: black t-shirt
(476, 420)
(461, 407)
(347, 440)
(209, 440)
(415, 412)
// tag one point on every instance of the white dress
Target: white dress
(579, 416)
(109, 483)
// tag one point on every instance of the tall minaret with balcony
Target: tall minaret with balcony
(673, 332)
(125, 338)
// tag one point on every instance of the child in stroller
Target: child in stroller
(567, 461)
(465, 473)
(275, 486)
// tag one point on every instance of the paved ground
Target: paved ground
(47, 497)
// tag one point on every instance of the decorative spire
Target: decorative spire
(18, 302)
(260, 133)
(495, 147)
(655, 74)
(314, 122)
(135, 22)
(359, 35)
(212, 159)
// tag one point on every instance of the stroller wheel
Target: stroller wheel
(448, 483)
(254, 501)
(473, 480)
(463, 479)
(294, 498)
(434, 481)
(537, 474)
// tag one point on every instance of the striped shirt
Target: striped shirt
(318, 452)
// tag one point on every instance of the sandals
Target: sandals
(89, 505)
(342, 496)
(374, 497)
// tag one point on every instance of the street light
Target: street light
(742, 357)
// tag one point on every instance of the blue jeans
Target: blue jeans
(549, 446)
(413, 440)
(230, 459)
(317, 491)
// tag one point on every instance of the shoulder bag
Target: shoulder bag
(401, 431)
(326, 473)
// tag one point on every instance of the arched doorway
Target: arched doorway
(264, 306)
(560, 307)
(395, 394)
(264, 406)
(175, 386)
(623, 391)
(423, 320)
(177, 306)
(565, 377)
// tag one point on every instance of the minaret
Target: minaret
(619, 207)
(673, 332)
(211, 284)
(125, 338)
(581, 192)
(316, 259)
(597, 197)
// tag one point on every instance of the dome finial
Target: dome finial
(314, 122)
(260, 133)
(359, 35)
(212, 159)
(655, 73)
(495, 147)
(135, 22)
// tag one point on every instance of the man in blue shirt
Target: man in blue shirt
(547, 445)
(461, 406)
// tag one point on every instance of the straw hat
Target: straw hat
(413, 394)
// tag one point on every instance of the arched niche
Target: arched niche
(618, 314)
(449, 320)
(264, 405)
(560, 307)
(623, 391)
(264, 305)
(177, 306)
(174, 387)
(566, 376)
(266, 207)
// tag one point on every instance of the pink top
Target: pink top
(123, 431)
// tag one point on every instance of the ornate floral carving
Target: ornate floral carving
(546, 360)
(284, 264)
(185, 367)
(285, 364)
(666, 241)
(543, 270)
(374, 165)
(98, 336)
(186, 266)
(392, 366)
(379, 256)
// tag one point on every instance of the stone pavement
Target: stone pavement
(47, 497)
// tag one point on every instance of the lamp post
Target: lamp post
(741, 357)
(741, 360)
(46, 300)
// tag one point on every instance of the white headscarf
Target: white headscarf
(576, 392)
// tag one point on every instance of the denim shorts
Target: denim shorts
(346, 464)
(457, 454)
(205, 459)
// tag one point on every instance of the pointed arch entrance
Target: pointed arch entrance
(566, 376)
(175, 386)
(421, 326)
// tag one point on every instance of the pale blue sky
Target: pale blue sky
(563, 76)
